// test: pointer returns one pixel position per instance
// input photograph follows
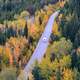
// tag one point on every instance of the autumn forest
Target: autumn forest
(22, 23)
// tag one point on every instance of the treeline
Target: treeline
(9, 31)
(8, 8)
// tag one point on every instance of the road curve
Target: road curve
(41, 46)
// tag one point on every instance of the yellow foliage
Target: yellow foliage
(34, 31)
(55, 28)
(68, 74)
(49, 12)
(24, 14)
(65, 61)
(11, 59)
(7, 52)
(60, 16)
(13, 24)
(16, 52)
(9, 55)
(56, 64)
(12, 41)
(78, 51)
(42, 12)
(46, 17)
(53, 77)
(62, 3)
(1, 49)
(21, 23)
(44, 63)
(37, 20)
(29, 24)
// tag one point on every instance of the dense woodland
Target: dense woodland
(22, 23)
(9, 8)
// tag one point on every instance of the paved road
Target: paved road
(42, 44)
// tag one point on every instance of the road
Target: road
(41, 46)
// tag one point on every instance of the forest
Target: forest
(9, 8)
(22, 23)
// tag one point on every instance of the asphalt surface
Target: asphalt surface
(41, 46)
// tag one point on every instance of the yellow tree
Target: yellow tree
(56, 29)
(68, 74)
(9, 55)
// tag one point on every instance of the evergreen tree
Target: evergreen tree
(26, 30)
(70, 23)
